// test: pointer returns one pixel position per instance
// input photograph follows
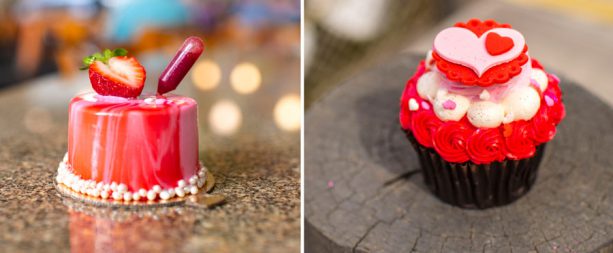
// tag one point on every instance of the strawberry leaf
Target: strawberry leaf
(120, 52)
(105, 56)
(108, 54)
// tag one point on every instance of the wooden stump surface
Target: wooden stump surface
(364, 191)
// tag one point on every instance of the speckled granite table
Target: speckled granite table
(257, 169)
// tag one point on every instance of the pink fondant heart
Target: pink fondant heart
(462, 46)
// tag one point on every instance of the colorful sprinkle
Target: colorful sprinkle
(449, 104)
(413, 105)
(507, 130)
(548, 100)
(425, 105)
(330, 184)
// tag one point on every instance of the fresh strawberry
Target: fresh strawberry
(115, 74)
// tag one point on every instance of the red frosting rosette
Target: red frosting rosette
(544, 127)
(552, 98)
(425, 123)
(518, 137)
(486, 145)
(450, 141)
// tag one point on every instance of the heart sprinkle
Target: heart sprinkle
(449, 104)
(425, 105)
(548, 100)
(496, 44)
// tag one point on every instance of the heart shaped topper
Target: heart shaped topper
(462, 46)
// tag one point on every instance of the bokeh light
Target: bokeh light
(288, 113)
(206, 75)
(225, 117)
(245, 78)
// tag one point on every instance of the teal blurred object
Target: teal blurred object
(125, 20)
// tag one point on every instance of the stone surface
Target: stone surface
(255, 170)
(364, 191)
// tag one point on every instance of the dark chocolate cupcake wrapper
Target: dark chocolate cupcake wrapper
(470, 185)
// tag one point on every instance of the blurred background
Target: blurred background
(249, 74)
(573, 38)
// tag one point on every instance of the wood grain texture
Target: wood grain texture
(364, 191)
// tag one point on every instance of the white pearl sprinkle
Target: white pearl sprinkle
(119, 191)
(95, 193)
(413, 105)
(193, 190)
(151, 195)
(171, 192)
(117, 196)
(164, 195)
(122, 188)
(127, 196)
(192, 180)
(179, 191)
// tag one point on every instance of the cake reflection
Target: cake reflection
(108, 230)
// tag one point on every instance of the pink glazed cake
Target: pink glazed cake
(133, 148)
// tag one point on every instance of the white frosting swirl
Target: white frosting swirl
(522, 102)
(485, 114)
(428, 85)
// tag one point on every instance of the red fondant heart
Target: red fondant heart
(496, 44)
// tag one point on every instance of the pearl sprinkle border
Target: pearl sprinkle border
(119, 192)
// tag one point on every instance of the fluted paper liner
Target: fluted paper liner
(470, 185)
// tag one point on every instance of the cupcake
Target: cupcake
(479, 111)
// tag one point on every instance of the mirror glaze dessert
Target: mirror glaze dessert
(128, 147)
